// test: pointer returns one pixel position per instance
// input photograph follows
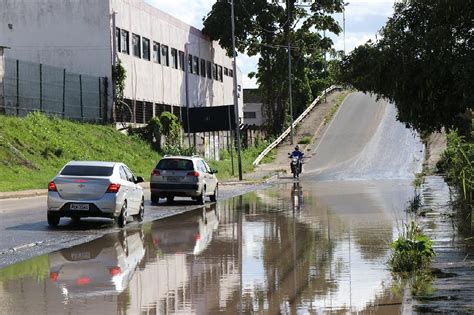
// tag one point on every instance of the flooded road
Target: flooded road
(296, 248)
(311, 246)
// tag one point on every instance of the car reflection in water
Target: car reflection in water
(104, 266)
(190, 234)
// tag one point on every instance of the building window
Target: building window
(214, 72)
(190, 63)
(181, 60)
(231, 73)
(165, 60)
(203, 68)
(146, 48)
(196, 65)
(174, 58)
(226, 72)
(136, 45)
(117, 39)
(209, 70)
(124, 44)
(219, 73)
(250, 115)
(156, 52)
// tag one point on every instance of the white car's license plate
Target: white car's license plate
(79, 206)
(173, 179)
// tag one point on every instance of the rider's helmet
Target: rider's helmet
(297, 148)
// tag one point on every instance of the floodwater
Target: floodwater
(308, 247)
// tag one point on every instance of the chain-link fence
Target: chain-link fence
(31, 87)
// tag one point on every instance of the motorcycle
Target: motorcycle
(295, 165)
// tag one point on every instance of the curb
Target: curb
(23, 194)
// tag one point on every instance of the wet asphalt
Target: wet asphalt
(317, 244)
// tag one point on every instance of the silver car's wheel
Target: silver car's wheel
(200, 198)
(121, 220)
(53, 220)
(141, 212)
(216, 193)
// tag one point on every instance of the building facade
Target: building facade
(88, 36)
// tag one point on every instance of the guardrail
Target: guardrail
(295, 123)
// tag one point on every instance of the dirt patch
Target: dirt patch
(311, 127)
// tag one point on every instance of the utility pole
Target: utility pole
(290, 96)
(186, 83)
(236, 101)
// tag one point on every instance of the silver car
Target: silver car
(186, 176)
(95, 189)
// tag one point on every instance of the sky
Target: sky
(363, 19)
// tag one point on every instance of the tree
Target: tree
(262, 28)
(424, 63)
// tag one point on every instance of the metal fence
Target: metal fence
(31, 87)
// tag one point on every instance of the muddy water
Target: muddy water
(295, 248)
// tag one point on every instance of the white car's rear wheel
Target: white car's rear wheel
(121, 220)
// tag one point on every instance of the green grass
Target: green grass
(305, 140)
(224, 166)
(34, 148)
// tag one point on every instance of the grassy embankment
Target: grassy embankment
(34, 148)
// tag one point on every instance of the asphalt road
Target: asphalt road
(365, 141)
(25, 232)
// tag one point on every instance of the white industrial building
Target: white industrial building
(81, 36)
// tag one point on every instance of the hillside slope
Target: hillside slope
(34, 148)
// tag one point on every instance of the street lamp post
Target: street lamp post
(344, 25)
(236, 101)
(290, 96)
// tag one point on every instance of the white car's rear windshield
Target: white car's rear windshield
(86, 170)
(175, 164)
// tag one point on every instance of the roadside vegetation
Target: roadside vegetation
(34, 148)
(337, 103)
(411, 257)
(457, 163)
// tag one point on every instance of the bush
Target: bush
(305, 140)
(411, 251)
(457, 164)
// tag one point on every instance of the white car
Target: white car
(95, 189)
(185, 176)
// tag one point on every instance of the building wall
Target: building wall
(150, 81)
(71, 34)
(253, 108)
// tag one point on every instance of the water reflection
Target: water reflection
(282, 250)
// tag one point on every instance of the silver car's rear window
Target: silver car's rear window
(86, 170)
(175, 164)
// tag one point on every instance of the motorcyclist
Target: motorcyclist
(297, 153)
